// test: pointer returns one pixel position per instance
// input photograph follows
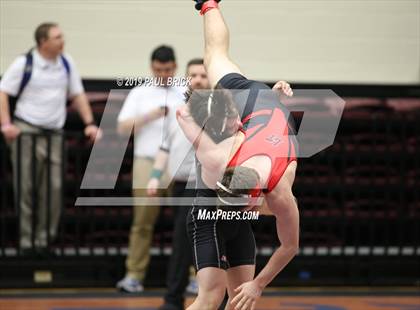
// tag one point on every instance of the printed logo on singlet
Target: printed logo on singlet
(274, 140)
(223, 258)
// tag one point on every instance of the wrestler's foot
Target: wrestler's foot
(199, 4)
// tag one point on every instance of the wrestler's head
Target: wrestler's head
(238, 188)
(215, 112)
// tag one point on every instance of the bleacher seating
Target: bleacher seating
(366, 175)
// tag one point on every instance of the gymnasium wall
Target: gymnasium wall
(343, 41)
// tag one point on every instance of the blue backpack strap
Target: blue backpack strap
(66, 65)
(27, 72)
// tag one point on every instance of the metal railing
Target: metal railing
(360, 197)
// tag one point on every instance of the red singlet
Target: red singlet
(270, 139)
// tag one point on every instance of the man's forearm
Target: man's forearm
(82, 105)
(4, 109)
(125, 127)
(160, 160)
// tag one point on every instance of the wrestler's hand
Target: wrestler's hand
(184, 117)
(247, 296)
(183, 112)
(284, 87)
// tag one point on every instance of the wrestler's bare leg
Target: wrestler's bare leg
(212, 284)
(236, 276)
(216, 52)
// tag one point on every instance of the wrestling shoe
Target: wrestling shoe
(192, 287)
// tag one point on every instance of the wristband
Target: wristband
(208, 5)
(157, 174)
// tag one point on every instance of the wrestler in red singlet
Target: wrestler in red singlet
(270, 139)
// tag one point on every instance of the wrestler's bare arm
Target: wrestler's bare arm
(284, 207)
(263, 209)
(287, 224)
(282, 203)
(212, 156)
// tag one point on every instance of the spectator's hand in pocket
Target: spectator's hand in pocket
(152, 187)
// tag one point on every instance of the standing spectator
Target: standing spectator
(144, 109)
(42, 80)
(177, 153)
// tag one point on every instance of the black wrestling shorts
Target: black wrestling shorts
(220, 243)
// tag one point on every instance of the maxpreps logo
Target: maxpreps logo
(204, 214)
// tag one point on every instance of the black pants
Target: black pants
(181, 258)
